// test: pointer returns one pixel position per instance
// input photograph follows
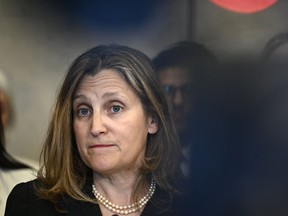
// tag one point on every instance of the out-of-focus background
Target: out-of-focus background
(39, 39)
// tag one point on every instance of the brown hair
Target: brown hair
(63, 171)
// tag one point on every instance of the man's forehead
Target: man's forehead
(175, 75)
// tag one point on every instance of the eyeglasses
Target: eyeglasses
(170, 90)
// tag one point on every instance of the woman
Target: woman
(12, 171)
(111, 147)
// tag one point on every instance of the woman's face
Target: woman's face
(110, 124)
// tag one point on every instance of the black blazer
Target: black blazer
(24, 201)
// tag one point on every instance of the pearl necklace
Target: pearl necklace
(126, 209)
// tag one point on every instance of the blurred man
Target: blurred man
(184, 70)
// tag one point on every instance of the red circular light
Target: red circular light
(244, 6)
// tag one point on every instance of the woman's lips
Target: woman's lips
(101, 145)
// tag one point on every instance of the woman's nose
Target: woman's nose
(98, 125)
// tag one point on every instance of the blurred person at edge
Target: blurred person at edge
(276, 49)
(8, 114)
(273, 89)
(266, 191)
(185, 69)
(12, 171)
(111, 146)
(5, 102)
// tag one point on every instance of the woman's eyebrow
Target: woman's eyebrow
(111, 95)
(80, 96)
(106, 96)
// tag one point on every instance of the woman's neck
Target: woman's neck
(118, 188)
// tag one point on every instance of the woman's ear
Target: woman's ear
(152, 126)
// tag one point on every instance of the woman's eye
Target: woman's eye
(116, 108)
(83, 112)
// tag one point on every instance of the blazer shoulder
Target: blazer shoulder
(23, 200)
